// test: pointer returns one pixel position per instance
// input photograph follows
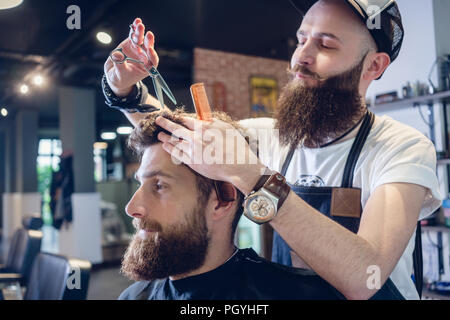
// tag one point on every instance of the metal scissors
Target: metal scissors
(158, 82)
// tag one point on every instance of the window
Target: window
(48, 159)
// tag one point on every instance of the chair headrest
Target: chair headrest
(32, 223)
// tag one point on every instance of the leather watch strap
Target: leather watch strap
(277, 185)
(262, 180)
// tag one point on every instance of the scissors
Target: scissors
(158, 82)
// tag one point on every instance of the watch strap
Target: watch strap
(134, 102)
(276, 184)
(262, 180)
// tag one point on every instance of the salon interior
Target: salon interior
(66, 173)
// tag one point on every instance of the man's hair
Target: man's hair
(145, 134)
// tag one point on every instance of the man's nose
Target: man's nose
(305, 55)
(135, 207)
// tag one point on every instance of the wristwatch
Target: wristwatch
(263, 203)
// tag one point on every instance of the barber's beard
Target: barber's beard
(174, 250)
(312, 116)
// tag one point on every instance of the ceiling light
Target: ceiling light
(8, 4)
(108, 135)
(38, 80)
(4, 112)
(124, 130)
(24, 89)
(104, 37)
(100, 145)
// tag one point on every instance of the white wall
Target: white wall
(441, 21)
(414, 62)
(82, 238)
(17, 206)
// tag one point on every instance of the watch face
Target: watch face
(261, 208)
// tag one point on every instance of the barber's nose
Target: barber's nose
(305, 54)
(135, 207)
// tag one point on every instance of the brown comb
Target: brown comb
(201, 103)
(225, 193)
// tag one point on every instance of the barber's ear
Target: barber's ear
(379, 62)
(226, 196)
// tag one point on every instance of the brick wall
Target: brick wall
(227, 78)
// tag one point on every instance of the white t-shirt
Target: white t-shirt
(393, 152)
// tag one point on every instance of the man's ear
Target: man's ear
(379, 61)
(226, 196)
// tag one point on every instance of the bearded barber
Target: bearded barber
(345, 188)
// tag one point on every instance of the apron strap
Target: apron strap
(355, 151)
(287, 162)
(418, 260)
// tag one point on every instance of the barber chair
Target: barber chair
(42, 276)
(32, 223)
(25, 245)
(55, 277)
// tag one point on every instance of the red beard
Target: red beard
(176, 250)
(311, 116)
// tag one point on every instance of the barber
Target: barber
(344, 189)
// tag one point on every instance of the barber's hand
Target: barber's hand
(214, 149)
(122, 77)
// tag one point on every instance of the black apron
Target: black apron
(342, 205)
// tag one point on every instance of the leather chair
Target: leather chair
(55, 277)
(32, 222)
(25, 245)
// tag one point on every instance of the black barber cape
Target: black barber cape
(245, 276)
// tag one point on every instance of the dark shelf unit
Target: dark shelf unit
(429, 100)
(439, 97)
(428, 294)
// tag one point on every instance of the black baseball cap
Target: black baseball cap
(382, 18)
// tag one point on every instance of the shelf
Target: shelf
(433, 295)
(436, 228)
(408, 103)
(443, 161)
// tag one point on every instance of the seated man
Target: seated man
(185, 225)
